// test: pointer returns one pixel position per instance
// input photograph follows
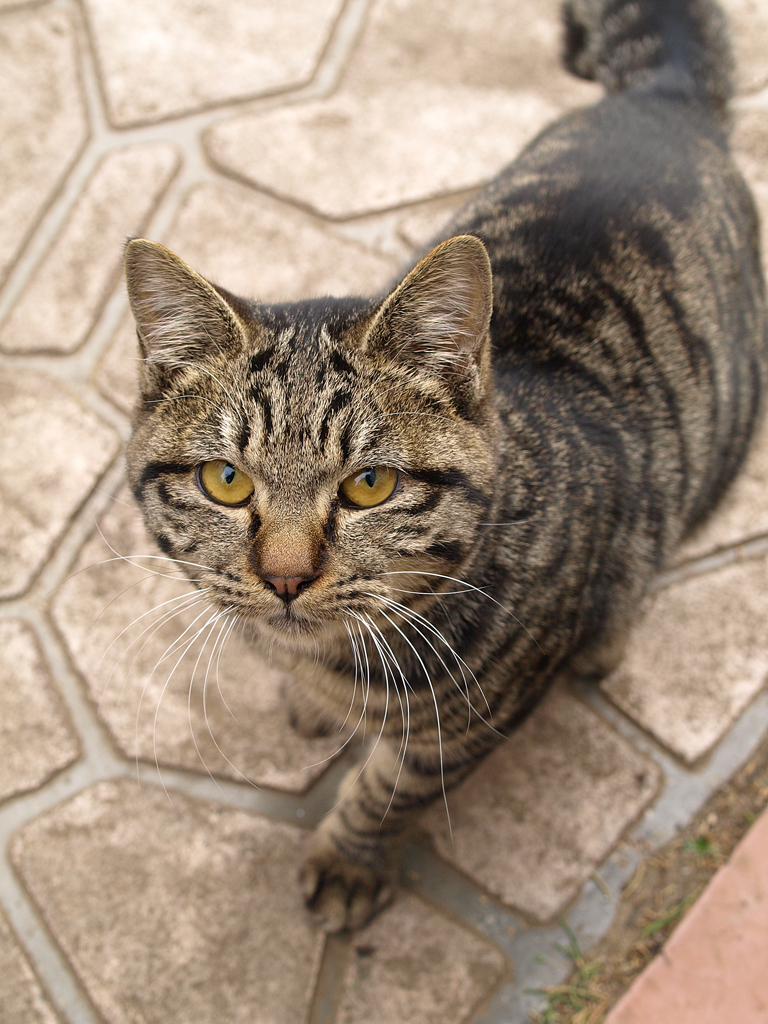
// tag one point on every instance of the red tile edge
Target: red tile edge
(714, 968)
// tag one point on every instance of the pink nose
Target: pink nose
(287, 587)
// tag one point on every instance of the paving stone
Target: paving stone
(42, 119)
(411, 964)
(35, 736)
(697, 658)
(53, 452)
(748, 23)
(350, 155)
(59, 305)
(173, 912)
(537, 817)
(714, 967)
(117, 372)
(23, 1001)
(257, 247)
(160, 60)
(223, 715)
(439, 96)
(420, 226)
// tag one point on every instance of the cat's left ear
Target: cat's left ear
(180, 317)
(438, 317)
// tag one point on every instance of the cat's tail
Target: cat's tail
(677, 47)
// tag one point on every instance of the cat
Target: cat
(436, 501)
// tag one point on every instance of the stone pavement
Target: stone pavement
(153, 802)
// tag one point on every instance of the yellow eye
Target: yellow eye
(223, 483)
(369, 488)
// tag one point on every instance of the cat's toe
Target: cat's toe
(341, 893)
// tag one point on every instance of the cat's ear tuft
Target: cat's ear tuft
(438, 317)
(179, 315)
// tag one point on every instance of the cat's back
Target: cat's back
(627, 282)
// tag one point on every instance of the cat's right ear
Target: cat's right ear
(180, 317)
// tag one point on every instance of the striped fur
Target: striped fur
(550, 460)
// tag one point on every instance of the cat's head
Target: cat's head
(309, 462)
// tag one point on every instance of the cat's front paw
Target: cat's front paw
(340, 892)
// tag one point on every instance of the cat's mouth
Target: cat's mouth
(290, 625)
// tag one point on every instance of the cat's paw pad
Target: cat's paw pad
(342, 893)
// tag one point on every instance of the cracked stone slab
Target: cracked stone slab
(161, 60)
(697, 658)
(536, 818)
(23, 1000)
(60, 303)
(412, 964)
(42, 119)
(35, 736)
(257, 248)
(180, 912)
(52, 447)
(127, 624)
(438, 97)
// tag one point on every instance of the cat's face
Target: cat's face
(309, 463)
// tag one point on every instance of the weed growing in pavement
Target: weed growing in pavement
(664, 887)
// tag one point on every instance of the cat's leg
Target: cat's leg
(307, 716)
(351, 869)
(601, 658)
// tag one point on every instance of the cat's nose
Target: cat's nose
(288, 558)
(288, 587)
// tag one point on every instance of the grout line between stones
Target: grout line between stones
(341, 42)
(533, 949)
(186, 131)
(89, 69)
(752, 101)
(739, 551)
(57, 978)
(686, 789)
(80, 528)
(330, 978)
(98, 761)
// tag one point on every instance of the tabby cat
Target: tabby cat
(436, 501)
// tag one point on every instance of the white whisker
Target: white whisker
(437, 717)
(361, 717)
(191, 688)
(186, 603)
(405, 716)
(205, 711)
(237, 616)
(185, 647)
(409, 614)
(469, 586)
